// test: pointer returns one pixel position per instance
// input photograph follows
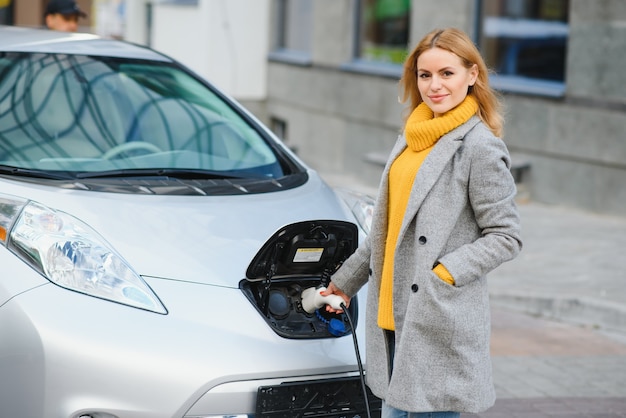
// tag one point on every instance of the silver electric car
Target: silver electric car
(155, 240)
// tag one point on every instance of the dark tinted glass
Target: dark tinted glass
(526, 38)
(80, 113)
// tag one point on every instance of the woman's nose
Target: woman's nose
(435, 83)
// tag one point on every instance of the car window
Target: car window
(76, 113)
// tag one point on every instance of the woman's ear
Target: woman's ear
(473, 72)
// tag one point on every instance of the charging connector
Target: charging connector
(312, 300)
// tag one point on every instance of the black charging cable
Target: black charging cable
(358, 360)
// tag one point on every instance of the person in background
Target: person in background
(63, 15)
(445, 216)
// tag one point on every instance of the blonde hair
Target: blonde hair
(457, 42)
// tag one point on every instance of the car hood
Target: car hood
(201, 239)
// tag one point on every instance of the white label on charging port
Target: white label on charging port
(308, 255)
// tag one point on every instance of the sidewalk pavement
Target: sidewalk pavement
(547, 369)
(568, 358)
(558, 315)
(572, 268)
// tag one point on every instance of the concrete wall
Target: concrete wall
(334, 118)
(428, 15)
(576, 145)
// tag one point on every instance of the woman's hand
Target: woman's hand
(334, 290)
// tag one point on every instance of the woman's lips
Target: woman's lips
(438, 98)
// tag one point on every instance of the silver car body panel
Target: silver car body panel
(187, 237)
(15, 39)
(126, 360)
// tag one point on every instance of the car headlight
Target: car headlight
(71, 254)
(361, 206)
(10, 207)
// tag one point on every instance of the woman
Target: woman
(445, 217)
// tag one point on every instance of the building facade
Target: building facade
(334, 93)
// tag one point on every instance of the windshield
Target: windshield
(83, 115)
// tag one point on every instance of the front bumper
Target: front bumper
(64, 354)
(318, 396)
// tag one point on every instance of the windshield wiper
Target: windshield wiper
(181, 174)
(33, 173)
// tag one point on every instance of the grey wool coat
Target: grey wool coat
(461, 213)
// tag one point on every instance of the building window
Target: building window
(383, 30)
(294, 27)
(525, 43)
(279, 127)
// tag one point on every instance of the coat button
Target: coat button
(370, 272)
(414, 288)
(422, 240)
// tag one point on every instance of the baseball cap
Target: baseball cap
(64, 7)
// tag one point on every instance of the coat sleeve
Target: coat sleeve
(491, 193)
(354, 272)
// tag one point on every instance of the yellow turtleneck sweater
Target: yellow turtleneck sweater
(422, 131)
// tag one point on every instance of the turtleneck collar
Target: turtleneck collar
(423, 130)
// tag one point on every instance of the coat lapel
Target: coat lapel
(432, 168)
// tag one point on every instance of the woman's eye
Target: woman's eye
(423, 75)
(447, 73)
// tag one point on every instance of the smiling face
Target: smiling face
(443, 80)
